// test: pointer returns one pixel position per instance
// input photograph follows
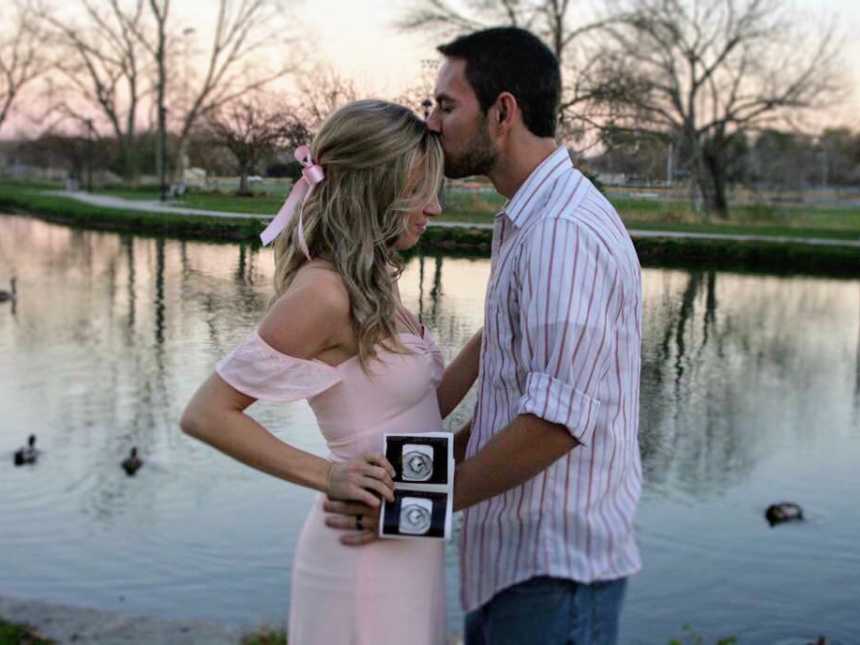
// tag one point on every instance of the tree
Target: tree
(102, 70)
(245, 31)
(641, 158)
(571, 41)
(79, 154)
(252, 129)
(839, 156)
(323, 90)
(21, 60)
(783, 160)
(160, 11)
(704, 70)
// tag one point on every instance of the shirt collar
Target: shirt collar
(527, 198)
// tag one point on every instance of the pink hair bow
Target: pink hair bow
(312, 174)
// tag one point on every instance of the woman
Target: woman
(337, 334)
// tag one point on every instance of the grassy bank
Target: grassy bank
(17, 634)
(25, 199)
(765, 256)
(746, 256)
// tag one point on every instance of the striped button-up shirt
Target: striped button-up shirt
(562, 335)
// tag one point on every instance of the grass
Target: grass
(772, 256)
(18, 634)
(679, 216)
(637, 213)
(691, 637)
(259, 203)
(265, 636)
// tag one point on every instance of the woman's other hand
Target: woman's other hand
(365, 480)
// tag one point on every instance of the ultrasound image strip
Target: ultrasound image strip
(423, 505)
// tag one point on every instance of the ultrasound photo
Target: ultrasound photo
(423, 486)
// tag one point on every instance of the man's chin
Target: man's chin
(468, 166)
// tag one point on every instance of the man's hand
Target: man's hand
(361, 521)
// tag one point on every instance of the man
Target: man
(549, 472)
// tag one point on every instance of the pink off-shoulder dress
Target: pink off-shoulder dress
(389, 592)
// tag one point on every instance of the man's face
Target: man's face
(461, 124)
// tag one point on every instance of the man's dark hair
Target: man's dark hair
(509, 59)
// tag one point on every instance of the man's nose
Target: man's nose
(433, 208)
(434, 123)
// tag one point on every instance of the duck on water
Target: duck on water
(28, 454)
(12, 294)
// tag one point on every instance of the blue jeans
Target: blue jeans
(549, 611)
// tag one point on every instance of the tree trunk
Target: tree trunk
(129, 159)
(162, 149)
(243, 181)
(715, 177)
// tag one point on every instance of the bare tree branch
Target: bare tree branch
(244, 31)
(21, 58)
(101, 66)
(323, 91)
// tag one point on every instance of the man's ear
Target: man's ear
(507, 108)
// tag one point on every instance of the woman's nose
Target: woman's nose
(433, 208)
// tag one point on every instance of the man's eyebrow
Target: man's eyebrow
(445, 97)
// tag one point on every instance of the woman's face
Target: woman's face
(416, 224)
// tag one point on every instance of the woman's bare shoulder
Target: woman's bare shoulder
(310, 316)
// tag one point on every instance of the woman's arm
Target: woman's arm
(304, 323)
(215, 416)
(459, 375)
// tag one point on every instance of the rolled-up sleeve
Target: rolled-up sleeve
(569, 302)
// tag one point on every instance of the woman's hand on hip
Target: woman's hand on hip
(365, 480)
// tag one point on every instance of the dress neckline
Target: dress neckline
(413, 324)
(380, 347)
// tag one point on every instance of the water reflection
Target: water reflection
(435, 286)
(857, 374)
(746, 382)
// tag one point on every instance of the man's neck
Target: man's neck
(514, 165)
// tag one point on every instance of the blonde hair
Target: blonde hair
(380, 162)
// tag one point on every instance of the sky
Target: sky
(359, 39)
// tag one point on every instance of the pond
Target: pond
(750, 395)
